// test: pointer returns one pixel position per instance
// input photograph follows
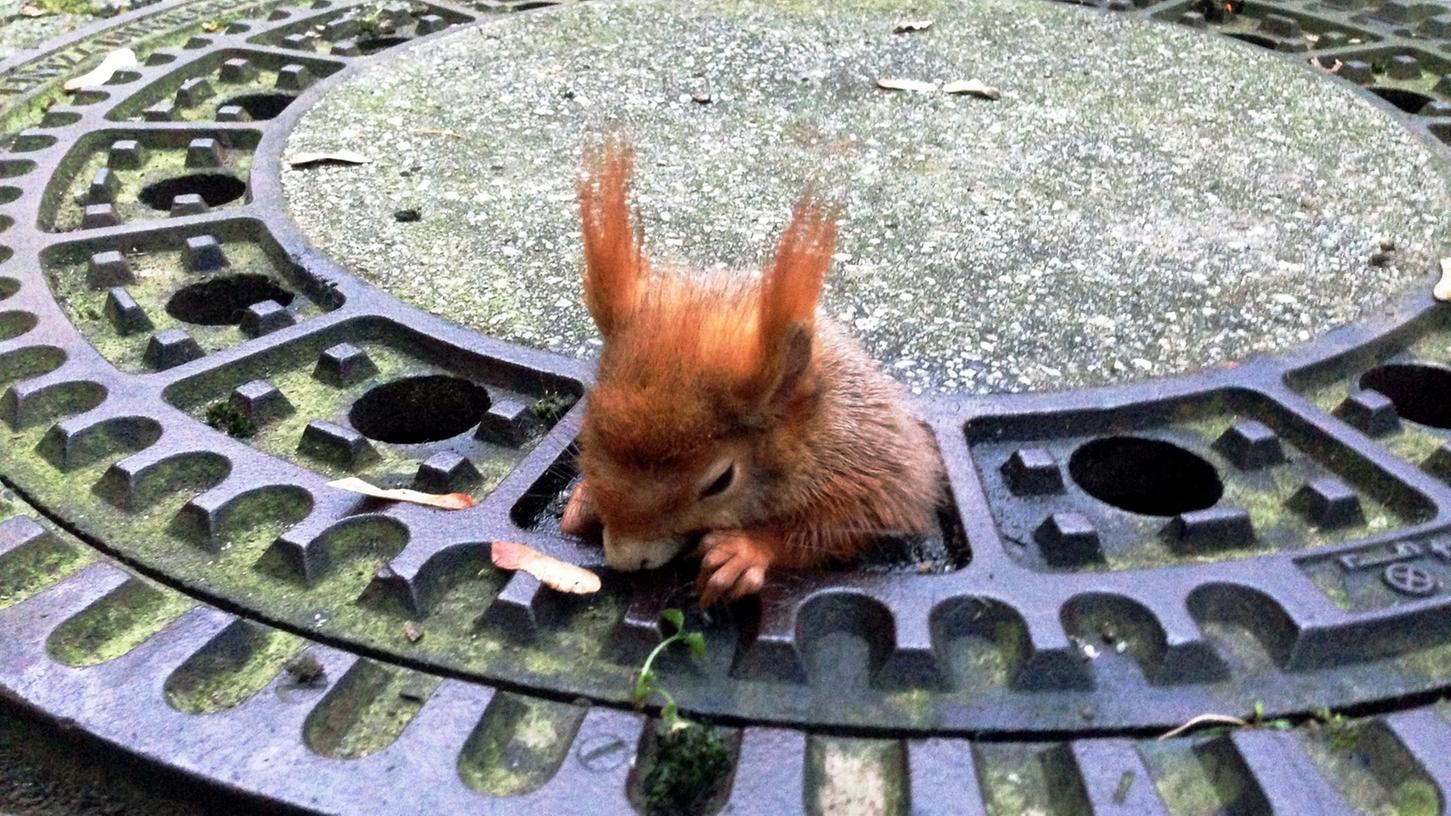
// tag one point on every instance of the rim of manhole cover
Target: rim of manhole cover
(1053, 609)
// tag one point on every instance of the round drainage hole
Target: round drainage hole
(260, 106)
(1419, 392)
(1145, 476)
(1408, 101)
(373, 45)
(215, 189)
(419, 409)
(221, 301)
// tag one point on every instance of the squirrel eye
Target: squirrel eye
(721, 482)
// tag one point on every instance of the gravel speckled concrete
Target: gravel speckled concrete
(1144, 200)
(19, 33)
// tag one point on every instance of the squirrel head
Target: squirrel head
(704, 380)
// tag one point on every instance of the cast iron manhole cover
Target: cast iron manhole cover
(1166, 305)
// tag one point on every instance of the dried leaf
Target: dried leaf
(333, 157)
(909, 85)
(412, 632)
(117, 60)
(1205, 719)
(32, 10)
(551, 572)
(445, 501)
(908, 26)
(1443, 288)
(972, 87)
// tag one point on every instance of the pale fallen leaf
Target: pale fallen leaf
(412, 631)
(551, 572)
(972, 87)
(909, 85)
(32, 11)
(117, 60)
(908, 26)
(332, 157)
(444, 501)
(1443, 287)
(1206, 719)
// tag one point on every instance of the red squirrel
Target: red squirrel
(726, 405)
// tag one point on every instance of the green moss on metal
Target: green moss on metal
(1353, 774)
(263, 81)
(64, 212)
(32, 567)
(231, 668)
(518, 744)
(1415, 797)
(1265, 496)
(367, 710)
(1183, 782)
(116, 624)
(1012, 780)
(159, 273)
(684, 768)
(1331, 581)
(229, 419)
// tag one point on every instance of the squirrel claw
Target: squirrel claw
(579, 512)
(733, 565)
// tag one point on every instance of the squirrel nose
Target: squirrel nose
(631, 554)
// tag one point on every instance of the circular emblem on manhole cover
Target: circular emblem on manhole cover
(1410, 580)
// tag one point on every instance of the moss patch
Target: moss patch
(231, 668)
(31, 568)
(687, 766)
(518, 744)
(116, 624)
(367, 710)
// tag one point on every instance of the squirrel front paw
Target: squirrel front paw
(579, 512)
(733, 564)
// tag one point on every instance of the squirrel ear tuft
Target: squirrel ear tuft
(613, 261)
(790, 289)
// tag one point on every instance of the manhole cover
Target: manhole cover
(194, 340)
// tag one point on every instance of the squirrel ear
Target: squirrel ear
(613, 262)
(790, 288)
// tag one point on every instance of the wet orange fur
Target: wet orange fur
(698, 367)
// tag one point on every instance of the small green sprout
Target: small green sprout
(1257, 719)
(645, 685)
(1340, 732)
(690, 760)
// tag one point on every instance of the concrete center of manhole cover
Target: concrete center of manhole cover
(1143, 200)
